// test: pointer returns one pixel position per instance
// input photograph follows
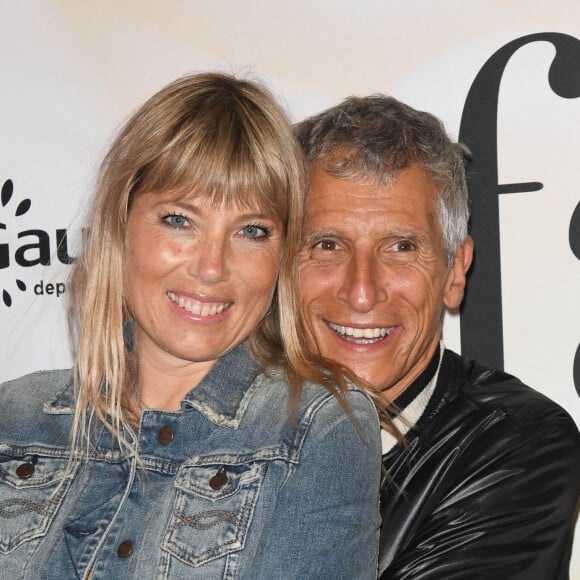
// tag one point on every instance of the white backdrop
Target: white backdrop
(72, 71)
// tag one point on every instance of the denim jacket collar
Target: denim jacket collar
(64, 402)
(219, 396)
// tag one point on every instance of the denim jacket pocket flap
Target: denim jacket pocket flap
(215, 482)
(28, 502)
(212, 512)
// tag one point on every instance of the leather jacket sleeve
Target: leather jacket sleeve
(488, 488)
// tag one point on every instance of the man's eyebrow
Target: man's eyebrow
(404, 233)
(320, 233)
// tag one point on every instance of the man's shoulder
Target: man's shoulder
(472, 383)
(482, 408)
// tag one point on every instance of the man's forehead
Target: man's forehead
(362, 206)
(328, 189)
(412, 185)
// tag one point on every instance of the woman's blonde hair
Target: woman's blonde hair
(209, 134)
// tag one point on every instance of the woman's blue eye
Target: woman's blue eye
(254, 232)
(177, 221)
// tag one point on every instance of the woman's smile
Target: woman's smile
(202, 308)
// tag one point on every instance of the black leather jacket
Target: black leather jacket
(488, 487)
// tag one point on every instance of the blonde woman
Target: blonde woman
(191, 439)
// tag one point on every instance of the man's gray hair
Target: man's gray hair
(376, 137)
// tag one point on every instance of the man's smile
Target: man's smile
(360, 335)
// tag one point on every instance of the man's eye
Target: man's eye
(177, 221)
(255, 231)
(404, 246)
(326, 245)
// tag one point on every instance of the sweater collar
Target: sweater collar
(414, 401)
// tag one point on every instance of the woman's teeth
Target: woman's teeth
(197, 308)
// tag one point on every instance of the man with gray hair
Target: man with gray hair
(486, 484)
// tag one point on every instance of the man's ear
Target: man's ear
(456, 277)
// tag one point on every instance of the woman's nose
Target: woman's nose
(209, 262)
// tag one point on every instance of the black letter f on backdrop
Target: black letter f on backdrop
(481, 315)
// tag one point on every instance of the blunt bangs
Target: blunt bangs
(229, 150)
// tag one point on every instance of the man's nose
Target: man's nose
(362, 285)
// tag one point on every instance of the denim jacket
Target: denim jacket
(228, 487)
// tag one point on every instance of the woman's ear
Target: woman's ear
(457, 275)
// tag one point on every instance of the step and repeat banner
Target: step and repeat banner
(503, 76)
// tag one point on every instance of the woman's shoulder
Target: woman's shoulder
(35, 389)
(36, 409)
(315, 399)
(325, 427)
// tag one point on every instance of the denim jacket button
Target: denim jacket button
(218, 480)
(125, 548)
(165, 435)
(25, 470)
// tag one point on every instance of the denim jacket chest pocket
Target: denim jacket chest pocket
(213, 509)
(30, 496)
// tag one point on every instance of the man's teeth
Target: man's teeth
(360, 335)
(195, 307)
